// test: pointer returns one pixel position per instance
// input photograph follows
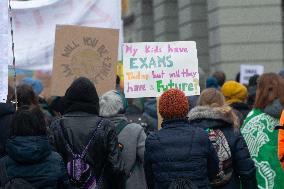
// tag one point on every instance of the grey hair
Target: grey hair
(111, 104)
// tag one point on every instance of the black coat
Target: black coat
(6, 112)
(241, 109)
(103, 154)
(179, 150)
(244, 168)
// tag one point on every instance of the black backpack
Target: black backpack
(15, 183)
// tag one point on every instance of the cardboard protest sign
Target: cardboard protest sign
(250, 70)
(84, 51)
(151, 68)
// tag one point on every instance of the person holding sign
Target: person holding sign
(178, 150)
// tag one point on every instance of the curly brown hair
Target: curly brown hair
(270, 86)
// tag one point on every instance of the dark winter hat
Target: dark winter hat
(173, 104)
(57, 104)
(253, 80)
(212, 82)
(82, 90)
(82, 96)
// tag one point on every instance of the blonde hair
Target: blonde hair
(215, 99)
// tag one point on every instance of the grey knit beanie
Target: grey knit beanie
(111, 103)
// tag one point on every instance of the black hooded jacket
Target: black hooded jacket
(244, 168)
(6, 112)
(103, 154)
(78, 125)
(241, 110)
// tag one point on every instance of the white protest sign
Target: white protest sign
(3, 50)
(249, 70)
(151, 68)
(3, 82)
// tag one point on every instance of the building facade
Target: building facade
(228, 33)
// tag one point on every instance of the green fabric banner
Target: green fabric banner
(262, 140)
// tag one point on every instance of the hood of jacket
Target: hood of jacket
(6, 108)
(28, 149)
(208, 113)
(274, 109)
(117, 119)
(240, 106)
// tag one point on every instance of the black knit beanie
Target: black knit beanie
(82, 92)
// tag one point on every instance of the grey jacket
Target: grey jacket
(132, 137)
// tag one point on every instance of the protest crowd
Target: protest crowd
(228, 137)
(132, 94)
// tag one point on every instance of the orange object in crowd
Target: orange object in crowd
(281, 140)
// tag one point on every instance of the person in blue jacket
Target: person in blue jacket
(212, 112)
(178, 151)
(29, 155)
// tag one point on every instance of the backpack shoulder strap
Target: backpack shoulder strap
(121, 125)
(67, 145)
(61, 132)
(100, 122)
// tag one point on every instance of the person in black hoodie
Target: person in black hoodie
(213, 113)
(6, 112)
(252, 90)
(178, 150)
(77, 126)
(29, 155)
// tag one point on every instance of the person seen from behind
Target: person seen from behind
(6, 113)
(38, 87)
(27, 96)
(83, 138)
(178, 153)
(222, 124)
(259, 130)
(131, 138)
(212, 82)
(252, 90)
(236, 96)
(220, 76)
(29, 155)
